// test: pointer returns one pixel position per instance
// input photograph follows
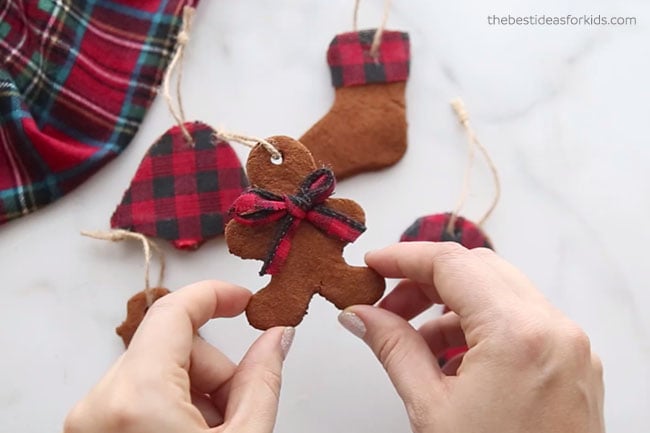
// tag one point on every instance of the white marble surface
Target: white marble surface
(563, 110)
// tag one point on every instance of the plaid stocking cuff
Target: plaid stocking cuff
(352, 65)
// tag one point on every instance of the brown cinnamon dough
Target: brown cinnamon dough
(314, 263)
(136, 309)
(365, 130)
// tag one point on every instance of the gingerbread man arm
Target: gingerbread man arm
(347, 207)
(249, 242)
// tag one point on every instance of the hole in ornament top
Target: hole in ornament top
(277, 159)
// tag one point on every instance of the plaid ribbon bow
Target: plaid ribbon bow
(258, 207)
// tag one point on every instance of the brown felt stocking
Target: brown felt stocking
(365, 130)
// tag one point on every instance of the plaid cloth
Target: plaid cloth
(181, 192)
(434, 228)
(76, 79)
(258, 206)
(352, 65)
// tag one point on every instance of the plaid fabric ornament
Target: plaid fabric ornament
(433, 228)
(76, 79)
(181, 192)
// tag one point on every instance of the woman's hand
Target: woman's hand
(528, 368)
(171, 380)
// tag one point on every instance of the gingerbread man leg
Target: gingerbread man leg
(279, 303)
(352, 285)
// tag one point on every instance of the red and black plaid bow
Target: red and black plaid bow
(258, 206)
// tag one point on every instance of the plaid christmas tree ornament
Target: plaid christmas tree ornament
(182, 192)
(76, 79)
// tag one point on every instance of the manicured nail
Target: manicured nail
(352, 323)
(286, 340)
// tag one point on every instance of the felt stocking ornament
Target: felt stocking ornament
(365, 129)
(184, 186)
(138, 304)
(450, 226)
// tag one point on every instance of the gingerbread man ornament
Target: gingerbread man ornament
(288, 220)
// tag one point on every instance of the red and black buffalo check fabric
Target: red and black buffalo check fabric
(258, 207)
(76, 79)
(433, 228)
(183, 192)
(352, 65)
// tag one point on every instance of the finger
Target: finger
(515, 279)
(210, 413)
(443, 333)
(451, 273)
(408, 299)
(166, 333)
(597, 380)
(211, 373)
(255, 387)
(451, 367)
(412, 368)
(210, 370)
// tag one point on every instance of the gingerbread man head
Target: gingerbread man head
(288, 220)
(285, 175)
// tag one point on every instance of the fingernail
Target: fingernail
(286, 340)
(352, 323)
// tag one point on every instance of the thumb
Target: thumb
(255, 387)
(402, 351)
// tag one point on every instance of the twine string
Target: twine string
(376, 41)
(147, 246)
(250, 142)
(177, 63)
(474, 143)
(179, 114)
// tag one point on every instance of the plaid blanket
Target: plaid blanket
(76, 79)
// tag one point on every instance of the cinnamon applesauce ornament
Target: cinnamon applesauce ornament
(365, 129)
(288, 220)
